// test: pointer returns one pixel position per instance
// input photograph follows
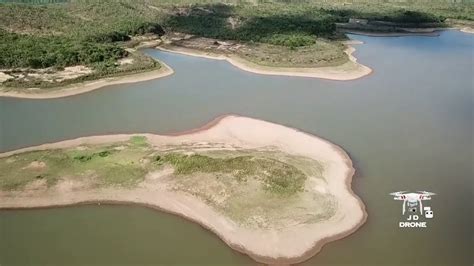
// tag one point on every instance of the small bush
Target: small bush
(104, 153)
(83, 158)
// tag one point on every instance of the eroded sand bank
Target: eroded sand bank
(292, 244)
(79, 88)
(347, 71)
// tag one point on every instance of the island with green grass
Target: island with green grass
(272, 192)
(48, 45)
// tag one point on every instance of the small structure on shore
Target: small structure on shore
(358, 21)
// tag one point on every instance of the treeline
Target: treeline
(289, 25)
(41, 52)
(125, 30)
(97, 49)
(255, 29)
(396, 16)
(408, 16)
(287, 29)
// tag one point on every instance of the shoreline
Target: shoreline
(253, 242)
(424, 32)
(350, 70)
(466, 30)
(87, 86)
(433, 33)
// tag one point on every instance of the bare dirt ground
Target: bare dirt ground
(46, 74)
(83, 87)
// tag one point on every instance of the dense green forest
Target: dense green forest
(48, 50)
(62, 33)
(41, 52)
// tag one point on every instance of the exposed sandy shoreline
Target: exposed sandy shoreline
(348, 71)
(294, 244)
(88, 86)
(429, 32)
(467, 30)
(421, 32)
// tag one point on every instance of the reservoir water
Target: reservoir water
(407, 126)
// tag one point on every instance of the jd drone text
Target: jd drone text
(414, 203)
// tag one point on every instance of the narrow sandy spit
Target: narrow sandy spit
(291, 245)
(348, 71)
(88, 86)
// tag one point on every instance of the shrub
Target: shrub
(41, 52)
(291, 40)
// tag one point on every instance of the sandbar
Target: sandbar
(291, 243)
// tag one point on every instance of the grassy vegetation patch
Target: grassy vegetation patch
(15, 171)
(88, 157)
(107, 165)
(319, 54)
(139, 141)
(290, 40)
(276, 176)
(127, 163)
(248, 199)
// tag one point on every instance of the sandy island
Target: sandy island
(348, 71)
(284, 243)
(83, 87)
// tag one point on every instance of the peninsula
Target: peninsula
(86, 86)
(348, 70)
(272, 192)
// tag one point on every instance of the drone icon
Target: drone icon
(412, 200)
